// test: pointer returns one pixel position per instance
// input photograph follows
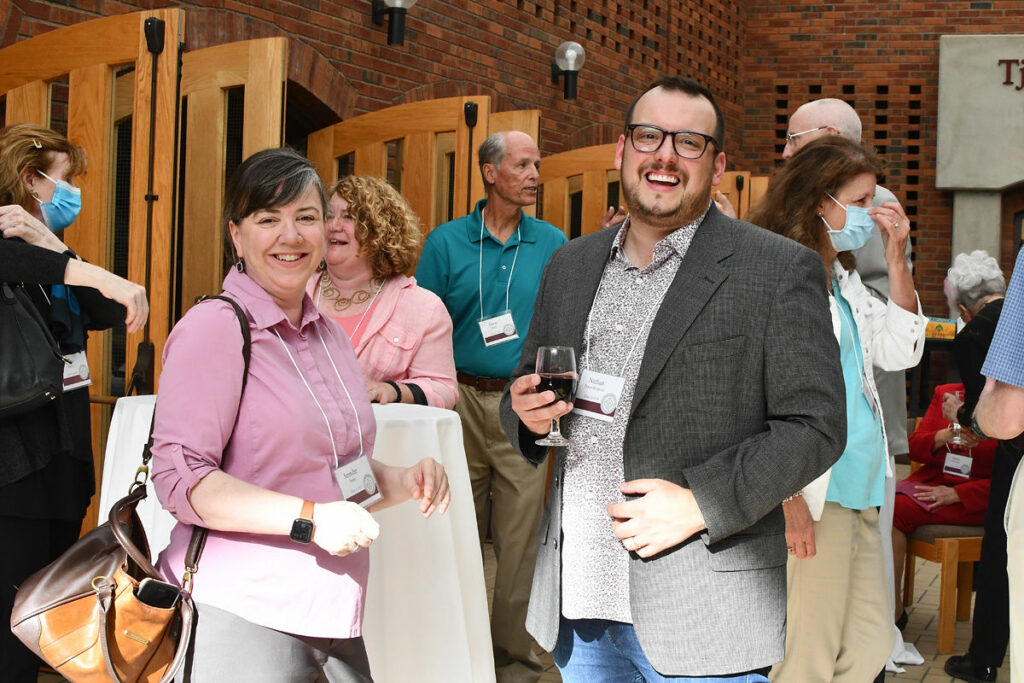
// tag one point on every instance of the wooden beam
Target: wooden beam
(90, 109)
(418, 177)
(264, 95)
(109, 40)
(203, 242)
(29, 103)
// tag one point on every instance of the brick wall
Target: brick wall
(882, 58)
(762, 58)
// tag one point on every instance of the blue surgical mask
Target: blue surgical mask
(855, 232)
(62, 209)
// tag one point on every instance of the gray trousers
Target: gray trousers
(228, 648)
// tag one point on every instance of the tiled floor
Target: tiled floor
(921, 630)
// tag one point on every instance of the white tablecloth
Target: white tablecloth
(426, 605)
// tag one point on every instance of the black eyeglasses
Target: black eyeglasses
(687, 143)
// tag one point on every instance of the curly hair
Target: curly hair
(386, 227)
(25, 146)
(790, 206)
(973, 277)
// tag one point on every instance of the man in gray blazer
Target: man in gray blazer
(710, 391)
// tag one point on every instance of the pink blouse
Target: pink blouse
(408, 338)
(276, 437)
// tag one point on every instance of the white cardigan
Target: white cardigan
(891, 338)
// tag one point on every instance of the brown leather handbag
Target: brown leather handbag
(82, 616)
(81, 613)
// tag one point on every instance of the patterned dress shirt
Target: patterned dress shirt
(595, 566)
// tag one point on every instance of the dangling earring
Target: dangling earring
(240, 265)
(323, 264)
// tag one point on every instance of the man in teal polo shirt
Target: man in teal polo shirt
(486, 267)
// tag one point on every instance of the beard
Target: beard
(685, 208)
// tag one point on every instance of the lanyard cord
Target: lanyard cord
(636, 340)
(480, 278)
(334, 448)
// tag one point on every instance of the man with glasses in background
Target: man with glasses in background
(706, 348)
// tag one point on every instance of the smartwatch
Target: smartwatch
(302, 527)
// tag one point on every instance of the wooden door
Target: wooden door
(207, 75)
(82, 60)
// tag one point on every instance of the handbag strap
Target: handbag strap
(124, 509)
(198, 540)
(105, 599)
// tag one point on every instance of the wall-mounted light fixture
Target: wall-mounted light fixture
(569, 59)
(392, 11)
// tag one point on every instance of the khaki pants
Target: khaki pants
(508, 493)
(838, 620)
(1014, 522)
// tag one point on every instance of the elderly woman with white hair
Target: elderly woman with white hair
(974, 289)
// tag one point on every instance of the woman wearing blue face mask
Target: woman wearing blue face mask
(46, 466)
(839, 611)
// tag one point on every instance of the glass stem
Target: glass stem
(554, 432)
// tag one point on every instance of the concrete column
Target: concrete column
(976, 221)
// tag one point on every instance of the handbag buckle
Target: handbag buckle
(141, 477)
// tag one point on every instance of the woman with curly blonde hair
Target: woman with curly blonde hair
(402, 333)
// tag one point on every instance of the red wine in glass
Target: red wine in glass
(563, 385)
(556, 366)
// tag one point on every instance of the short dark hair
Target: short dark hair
(692, 88)
(268, 179)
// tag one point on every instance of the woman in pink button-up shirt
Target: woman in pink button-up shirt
(281, 585)
(401, 332)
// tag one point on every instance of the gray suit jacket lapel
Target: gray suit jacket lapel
(583, 284)
(699, 276)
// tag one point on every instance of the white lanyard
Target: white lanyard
(334, 448)
(636, 340)
(480, 279)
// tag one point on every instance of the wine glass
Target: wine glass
(957, 440)
(556, 366)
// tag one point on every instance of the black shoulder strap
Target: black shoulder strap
(246, 333)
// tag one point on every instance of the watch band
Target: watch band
(307, 510)
(976, 429)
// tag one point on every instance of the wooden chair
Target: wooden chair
(955, 549)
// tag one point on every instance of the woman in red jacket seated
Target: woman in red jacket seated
(933, 494)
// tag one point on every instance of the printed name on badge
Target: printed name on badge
(357, 482)
(76, 371)
(598, 395)
(498, 329)
(957, 465)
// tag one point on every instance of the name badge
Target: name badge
(597, 395)
(76, 371)
(357, 482)
(498, 329)
(957, 465)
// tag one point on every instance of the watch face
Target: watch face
(302, 530)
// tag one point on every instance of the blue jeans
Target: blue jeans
(596, 650)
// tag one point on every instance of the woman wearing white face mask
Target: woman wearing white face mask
(839, 617)
(46, 467)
